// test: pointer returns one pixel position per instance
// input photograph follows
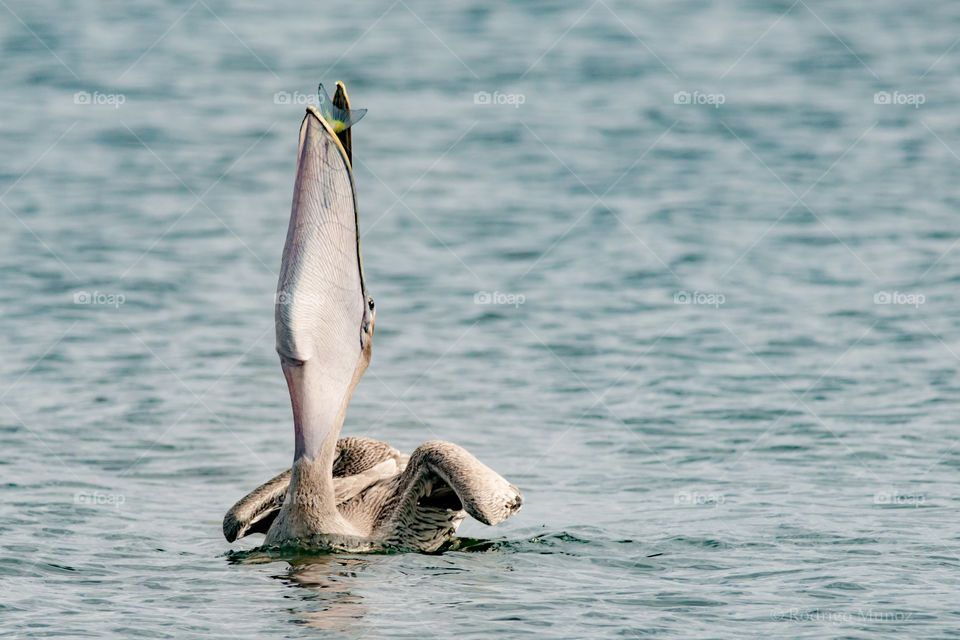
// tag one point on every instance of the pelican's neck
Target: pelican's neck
(318, 413)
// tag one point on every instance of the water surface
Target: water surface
(674, 269)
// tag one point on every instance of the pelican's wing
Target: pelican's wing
(321, 311)
(445, 475)
(360, 462)
(256, 511)
(356, 455)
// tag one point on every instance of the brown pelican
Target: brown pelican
(355, 489)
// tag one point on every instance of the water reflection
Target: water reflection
(329, 582)
(334, 582)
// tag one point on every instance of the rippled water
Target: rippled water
(719, 356)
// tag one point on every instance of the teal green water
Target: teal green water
(683, 272)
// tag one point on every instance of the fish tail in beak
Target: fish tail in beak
(339, 116)
(342, 101)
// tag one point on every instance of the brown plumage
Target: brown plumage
(359, 463)
(414, 502)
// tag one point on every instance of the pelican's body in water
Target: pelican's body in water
(355, 488)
